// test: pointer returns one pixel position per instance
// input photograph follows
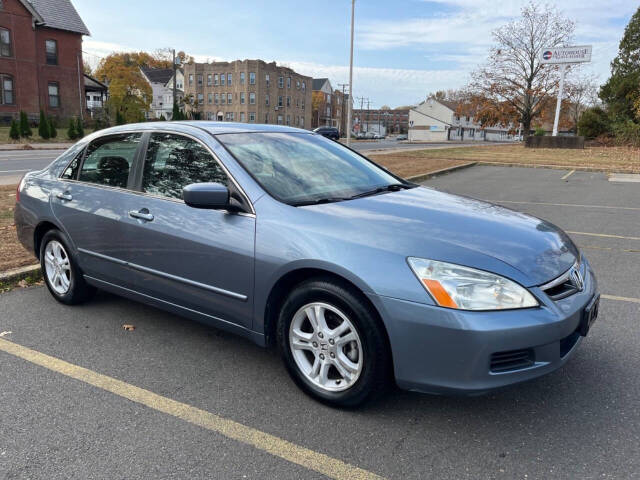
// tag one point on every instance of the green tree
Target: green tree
(593, 123)
(72, 133)
(14, 131)
(53, 127)
(79, 127)
(621, 92)
(43, 127)
(177, 113)
(120, 120)
(25, 129)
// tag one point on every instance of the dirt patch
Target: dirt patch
(12, 254)
(410, 164)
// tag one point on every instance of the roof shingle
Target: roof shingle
(59, 14)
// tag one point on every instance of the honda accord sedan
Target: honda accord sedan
(287, 238)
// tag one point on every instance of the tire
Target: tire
(368, 348)
(69, 287)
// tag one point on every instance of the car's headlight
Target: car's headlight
(464, 288)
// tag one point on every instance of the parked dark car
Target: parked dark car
(329, 132)
(287, 238)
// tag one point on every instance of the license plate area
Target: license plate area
(589, 315)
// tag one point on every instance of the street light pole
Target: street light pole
(353, 11)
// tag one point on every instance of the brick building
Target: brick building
(41, 59)
(329, 107)
(250, 91)
(383, 119)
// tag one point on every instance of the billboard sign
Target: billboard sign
(579, 54)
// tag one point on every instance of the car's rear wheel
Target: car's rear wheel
(332, 343)
(60, 270)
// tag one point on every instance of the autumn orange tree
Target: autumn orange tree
(129, 93)
(513, 85)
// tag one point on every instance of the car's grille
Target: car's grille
(565, 285)
(512, 360)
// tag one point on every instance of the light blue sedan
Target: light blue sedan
(287, 238)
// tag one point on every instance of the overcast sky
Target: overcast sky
(404, 49)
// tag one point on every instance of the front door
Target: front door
(198, 259)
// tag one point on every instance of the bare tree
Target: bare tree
(581, 92)
(513, 85)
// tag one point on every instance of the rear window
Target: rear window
(108, 160)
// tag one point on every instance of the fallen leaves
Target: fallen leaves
(128, 328)
(5, 333)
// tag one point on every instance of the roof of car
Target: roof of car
(215, 128)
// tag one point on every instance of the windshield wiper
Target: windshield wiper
(318, 201)
(393, 187)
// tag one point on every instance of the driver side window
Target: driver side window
(172, 162)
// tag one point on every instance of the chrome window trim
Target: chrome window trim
(161, 197)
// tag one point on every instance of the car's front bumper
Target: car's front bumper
(440, 350)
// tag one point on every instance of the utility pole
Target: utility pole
(175, 80)
(368, 113)
(342, 109)
(353, 11)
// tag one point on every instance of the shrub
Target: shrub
(53, 127)
(43, 126)
(25, 128)
(540, 132)
(593, 123)
(72, 133)
(120, 118)
(14, 131)
(627, 133)
(79, 128)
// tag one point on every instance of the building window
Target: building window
(280, 100)
(229, 78)
(51, 52)
(241, 78)
(210, 98)
(267, 79)
(230, 116)
(5, 43)
(298, 84)
(6, 90)
(223, 98)
(302, 122)
(242, 98)
(252, 78)
(297, 103)
(266, 99)
(200, 99)
(190, 79)
(266, 118)
(280, 82)
(242, 117)
(223, 79)
(288, 119)
(303, 104)
(252, 98)
(304, 86)
(229, 98)
(199, 80)
(288, 101)
(252, 116)
(288, 82)
(217, 99)
(279, 119)
(209, 81)
(54, 94)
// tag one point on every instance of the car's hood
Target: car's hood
(432, 224)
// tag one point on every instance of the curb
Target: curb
(554, 167)
(31, 148)
(442, 171)
(14, 276)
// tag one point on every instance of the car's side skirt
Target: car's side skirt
(217, 322)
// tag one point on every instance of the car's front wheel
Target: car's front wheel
(60, 270)
(333, 344)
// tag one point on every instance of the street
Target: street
(582, 421)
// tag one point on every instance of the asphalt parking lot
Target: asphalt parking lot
(583, 421)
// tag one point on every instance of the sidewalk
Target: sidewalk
(34, 146)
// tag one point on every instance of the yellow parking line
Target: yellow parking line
(276, 446)
(620, 299)
(568, 175)
(563, 204)
(606, 235)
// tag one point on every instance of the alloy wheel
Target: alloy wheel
(57, 267)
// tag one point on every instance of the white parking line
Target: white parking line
(13, 171)
(568, 175)
(605, 235)
(563, 204)
(620, 299)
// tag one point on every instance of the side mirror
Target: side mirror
(206, 195)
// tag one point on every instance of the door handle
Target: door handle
(64, 196)
(142, 215)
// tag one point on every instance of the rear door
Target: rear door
(195, 258)
(89, 204)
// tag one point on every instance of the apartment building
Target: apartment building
(41, 59)
(329, 105)
(250, 91)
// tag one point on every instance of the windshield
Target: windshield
(299, 168)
